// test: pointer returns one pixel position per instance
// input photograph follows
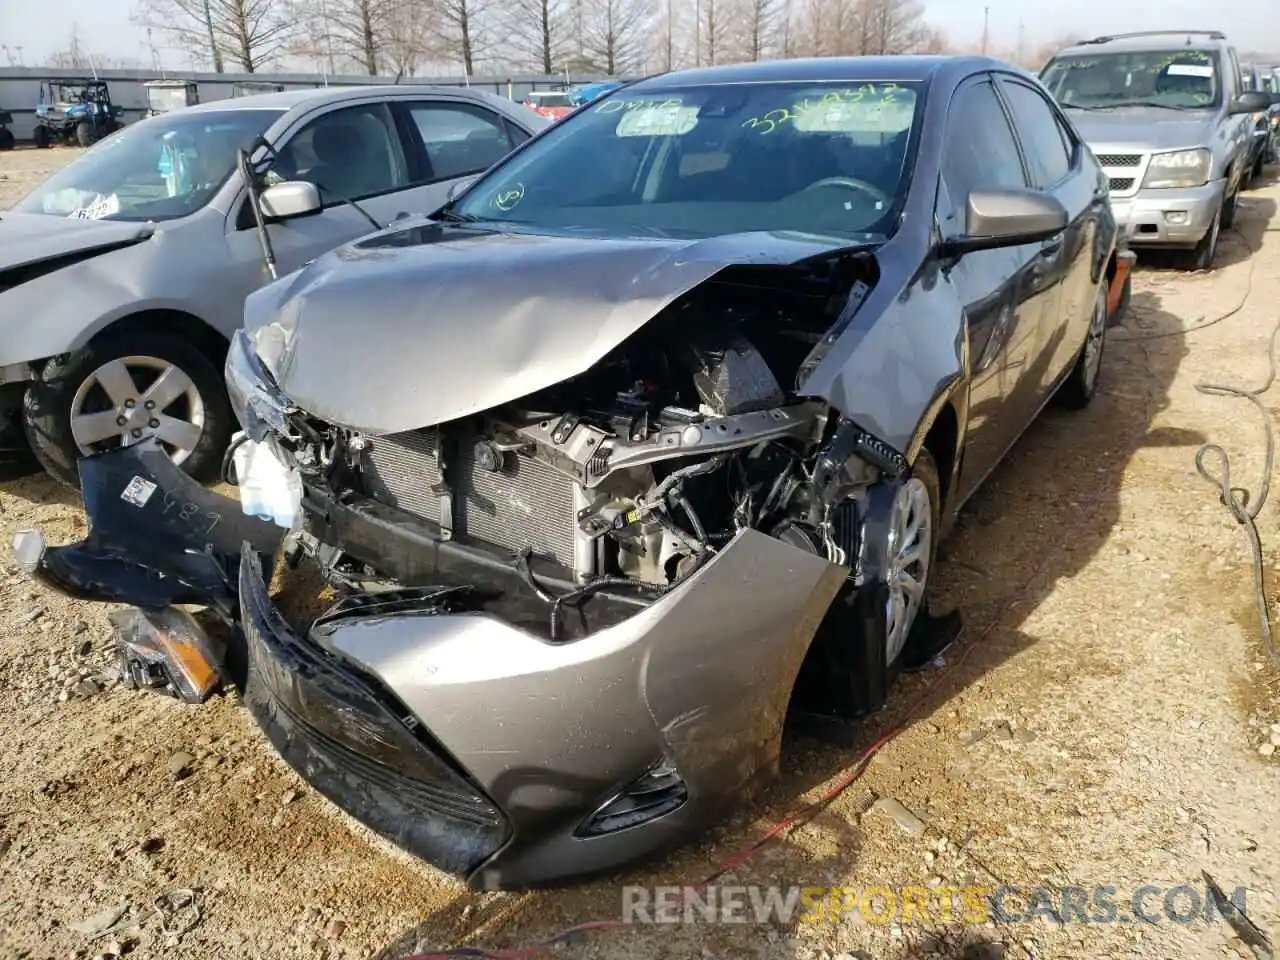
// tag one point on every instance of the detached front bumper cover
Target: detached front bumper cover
(157, 538)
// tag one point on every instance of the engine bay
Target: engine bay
(631, 476)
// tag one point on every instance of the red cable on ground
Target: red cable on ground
(799, 818)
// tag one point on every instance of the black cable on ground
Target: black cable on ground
(1199, 325)
(1236, 499)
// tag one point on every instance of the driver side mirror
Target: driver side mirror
(1006, 218)
(292, 198)
(1251, 102)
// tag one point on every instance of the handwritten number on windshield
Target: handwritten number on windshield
(867, 93)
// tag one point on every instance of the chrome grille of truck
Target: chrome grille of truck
(525, 504)
(1119, 159)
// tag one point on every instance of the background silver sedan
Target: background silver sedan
(123, 275)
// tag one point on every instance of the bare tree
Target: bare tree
(538, 31)
(761, 24)
(890, 26)
(349, 30)
(458, 29)
(407, 41)
(251, 33)
(613, 33)
(77, 56)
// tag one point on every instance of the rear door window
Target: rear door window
(459, 138)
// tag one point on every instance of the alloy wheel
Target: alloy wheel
(910, 551)
(131, 398)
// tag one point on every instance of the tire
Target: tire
(84, 133)
(854, 659)
(69, 383)
(1081, 384)
(7, 140)
(1202, 256)
(41, 136)
(1258, 165)
(1229, 207)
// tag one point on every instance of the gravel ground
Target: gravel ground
(1105, 721)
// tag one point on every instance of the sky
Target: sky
(1254, 25)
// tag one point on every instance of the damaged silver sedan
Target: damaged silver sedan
(643, 441)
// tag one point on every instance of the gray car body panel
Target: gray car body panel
(478, 343)
(563, 303)
(697, 678)
(200, 265)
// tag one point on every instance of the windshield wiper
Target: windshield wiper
(347, 200)
(1150, 103)
(452, 216)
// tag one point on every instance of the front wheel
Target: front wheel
(41, 136)
(875, 630)
(123, 389)
(7, 141)
(1206, 251)
(84, 133)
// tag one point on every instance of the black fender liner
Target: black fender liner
(156, 536)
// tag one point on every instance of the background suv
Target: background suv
(1169, 119)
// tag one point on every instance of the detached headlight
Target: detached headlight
(1181, 168)
(255, 400)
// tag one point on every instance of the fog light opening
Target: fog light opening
(1176, 217)
(659, 791)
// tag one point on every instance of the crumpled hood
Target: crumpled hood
(1144, 128)
(428, 323)
(29, 238)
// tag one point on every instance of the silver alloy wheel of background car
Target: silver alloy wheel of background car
(1093, 341)
(909, 553)
(131, 398)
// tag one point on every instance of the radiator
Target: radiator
(524, 504)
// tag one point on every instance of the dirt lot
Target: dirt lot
(1104, 721)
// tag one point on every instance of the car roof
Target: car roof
(1172, 40)
(322, 96)
(906, 67)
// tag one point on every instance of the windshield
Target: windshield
(1178, 79)
(829, 159)
(153, 170)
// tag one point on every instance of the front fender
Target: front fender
(62, 310)
(904, 349)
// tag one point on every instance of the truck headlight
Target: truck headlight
(1179, 168)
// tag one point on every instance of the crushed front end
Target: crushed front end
(568, 627)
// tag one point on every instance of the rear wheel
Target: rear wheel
(1082, 383)
(123, 389)
(6, 139)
